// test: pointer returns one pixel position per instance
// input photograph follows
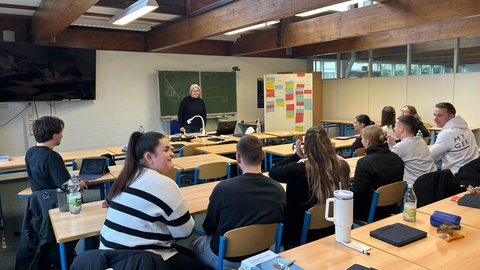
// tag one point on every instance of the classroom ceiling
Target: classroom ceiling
(198, 26)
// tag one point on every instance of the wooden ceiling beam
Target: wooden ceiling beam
(234, 15)
(363, 21)
(443, 30)
(53, 17)
(98, 39)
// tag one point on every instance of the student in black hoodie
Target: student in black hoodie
(189, 107)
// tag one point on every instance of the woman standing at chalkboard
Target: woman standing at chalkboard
(189, 107)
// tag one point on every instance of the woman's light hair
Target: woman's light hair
(194, 85)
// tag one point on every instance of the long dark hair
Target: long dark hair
(364, 119)
(388, 116)
(324, 169)
(138, 145)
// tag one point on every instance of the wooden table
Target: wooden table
(431, 252)
(72, 155)
(339, 144)
(106, 177)
(116, 151)
(12, 165)
(352, 162)
(327, 253)
(345, 127)
(285, 133)
(191, 162)
(470, 215)
(219, 149)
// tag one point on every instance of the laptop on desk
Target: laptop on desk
(92, 168)
(226, 127)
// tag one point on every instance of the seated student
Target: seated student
(409, 109)
(378, 168)
(146, 209)
(359, 122)
(251, 198)
(455, 145)
(388, 120)
(311, 174)
(411, 149)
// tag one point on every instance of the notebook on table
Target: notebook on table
(470, 200)
(398, 234)
(92, 168)
(226, 127)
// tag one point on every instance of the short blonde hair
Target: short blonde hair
(374, 134)
(193, 86)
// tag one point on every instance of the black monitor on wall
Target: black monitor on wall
(31, 72)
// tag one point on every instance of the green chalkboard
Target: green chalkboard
(173, 86)
(219, 90)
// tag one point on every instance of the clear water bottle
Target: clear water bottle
(410, 205)
(259, 126)
(419, 134)
(74, 195)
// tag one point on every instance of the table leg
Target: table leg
(63, 258)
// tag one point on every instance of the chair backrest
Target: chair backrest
(315, 219)
(190, 150)
(249, 240)
(215, 170)
(173, 174)
(360, 152)
(387, 195)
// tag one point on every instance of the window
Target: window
(469, 60)
(389, 61)
(432, 57)
(327, 64)
(354, 64)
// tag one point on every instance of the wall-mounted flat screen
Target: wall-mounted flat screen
(31, 72)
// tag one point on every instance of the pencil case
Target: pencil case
(439, 217)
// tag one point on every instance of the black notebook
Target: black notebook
(398, 234)
(470, 200)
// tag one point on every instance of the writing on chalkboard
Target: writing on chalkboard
(218, 90)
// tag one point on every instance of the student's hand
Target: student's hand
(83, 185)
(299, 149)
(390, 140)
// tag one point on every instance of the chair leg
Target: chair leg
(221, 251)
(306, 224)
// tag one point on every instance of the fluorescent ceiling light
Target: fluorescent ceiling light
(337, 7)
(257, 26)
(135, 11)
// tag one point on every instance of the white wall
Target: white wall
(369, 95)
(127, 97)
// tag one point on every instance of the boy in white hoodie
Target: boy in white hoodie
(455, 145)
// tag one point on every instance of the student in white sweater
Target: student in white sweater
(455, 145)
(146, 209)
(411, 149)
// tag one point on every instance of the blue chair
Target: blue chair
(249, 240)
(211, 171)
(174, 174)
(360, 152)
(314, 219)
(174, 127)
(385, 195)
